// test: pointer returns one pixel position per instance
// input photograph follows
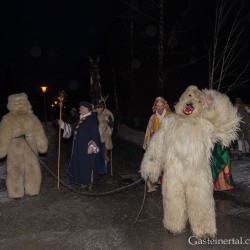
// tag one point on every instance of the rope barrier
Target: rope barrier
(143, 202)
(93, 194)
(88, 193)
(100, 194)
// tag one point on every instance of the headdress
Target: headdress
(99, 104)
(159, 99)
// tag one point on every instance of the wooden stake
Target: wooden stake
(111, 162)
(60, 99)
(59, 148)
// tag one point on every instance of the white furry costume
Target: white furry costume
(182, 150)
(21, 138)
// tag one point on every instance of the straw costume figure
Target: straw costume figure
(22, 137)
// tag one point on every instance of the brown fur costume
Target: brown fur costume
(21, 138)
(181, 148)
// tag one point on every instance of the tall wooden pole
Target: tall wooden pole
(45, 109)
(44, 89)
(60, 100)
(59, 148)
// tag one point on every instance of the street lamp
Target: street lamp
(44, 89)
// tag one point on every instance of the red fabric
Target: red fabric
(160, 179)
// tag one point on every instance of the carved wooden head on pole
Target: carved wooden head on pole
(95, 85)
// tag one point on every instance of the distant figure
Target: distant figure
(244, 133)
(248, 127)
(74, 116)
(160, 109)
(83, 168)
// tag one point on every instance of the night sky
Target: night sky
(49, 43)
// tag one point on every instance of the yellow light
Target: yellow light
(55, 102)
(44, 89)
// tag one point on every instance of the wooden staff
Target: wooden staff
(60, 100)
(111, 162)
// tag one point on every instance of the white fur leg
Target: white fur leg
(201, 210)
(174, 205)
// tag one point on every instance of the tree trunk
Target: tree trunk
(161, 47)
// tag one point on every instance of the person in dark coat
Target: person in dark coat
(83, 167)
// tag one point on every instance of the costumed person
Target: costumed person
(181, 149)
(160, 109)
(106, 125)
(220, 166)
(22, 137)
(83, 167)
(248, 127)
(244, 133)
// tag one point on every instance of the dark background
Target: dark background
(49, 43)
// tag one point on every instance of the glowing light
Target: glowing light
(44, 89)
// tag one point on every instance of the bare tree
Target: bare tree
(152, 34)
(155, 11)
(161, 43)
(228, 64)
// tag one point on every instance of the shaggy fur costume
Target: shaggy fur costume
(182, 150)
(21, 138)
(104, 129)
